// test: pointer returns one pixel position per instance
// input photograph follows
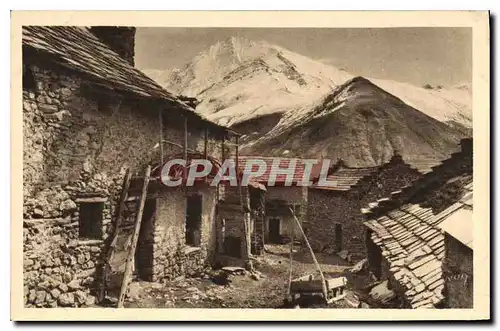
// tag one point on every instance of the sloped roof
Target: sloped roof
(345, 178)
(457, 219)
(78, 49)
(413, 244)
(298, 171)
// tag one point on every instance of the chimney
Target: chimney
(396, 157)
(466, 145)
(119, 39)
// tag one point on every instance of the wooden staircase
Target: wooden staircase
(126, 232)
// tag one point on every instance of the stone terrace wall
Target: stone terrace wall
(328, 208)
(76, 142)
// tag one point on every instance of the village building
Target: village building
(458, 264)
(285, 197)
(89, 120)
(334, 218)
(406, 244)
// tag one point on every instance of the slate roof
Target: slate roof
(457, 219)
(407, 225)
(298, 172)
(346, 178)
(78, 49)
(413, 244)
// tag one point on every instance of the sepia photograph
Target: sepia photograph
(313, 168)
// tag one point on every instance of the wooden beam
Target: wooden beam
(185, 152)
(135, 236)
(160, 118)
(223, 153)
(291, 261)
(205, 146)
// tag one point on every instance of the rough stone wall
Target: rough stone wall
(172, 257)
(458, 272)
(328, 208)
(76, 142)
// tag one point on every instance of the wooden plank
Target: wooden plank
(91, 200)
(160, 119)
(185, 154)
(135, 236)
(109, 253)
(292, 239)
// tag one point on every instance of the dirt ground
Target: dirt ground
(244, 290)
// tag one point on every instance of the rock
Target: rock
(364, 305)
(40, 297)
(74, 284)
(49, 298)
(28, 262)
(48, 109)
(88, 281)
(360, 266)
(133, 291)
(90, 301)
(67, 205)
(343, 254)
(254, 276)
(63, 287)
(44, 285)
(32, 296)
(80, 297)
(234, 270)
(37, 213)
(66, 91)
(66, 299)
(67, 277)
(382, 293)
(55, 293)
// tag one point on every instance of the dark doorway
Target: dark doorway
(193, 220)
(338, 237)
(374, 255)
(145, 243)
(232, 246)
(274, 230)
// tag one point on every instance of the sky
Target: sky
(436, 56)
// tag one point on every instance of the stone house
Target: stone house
(88, 115)
(282, 199)
(458, 263)
(406, 245)
(335, 221)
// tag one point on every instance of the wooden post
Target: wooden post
(160, 115)
(323, 281)
(185, 153)
(205, 147)
(135, 236)
(291, 258)
(223, 152)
